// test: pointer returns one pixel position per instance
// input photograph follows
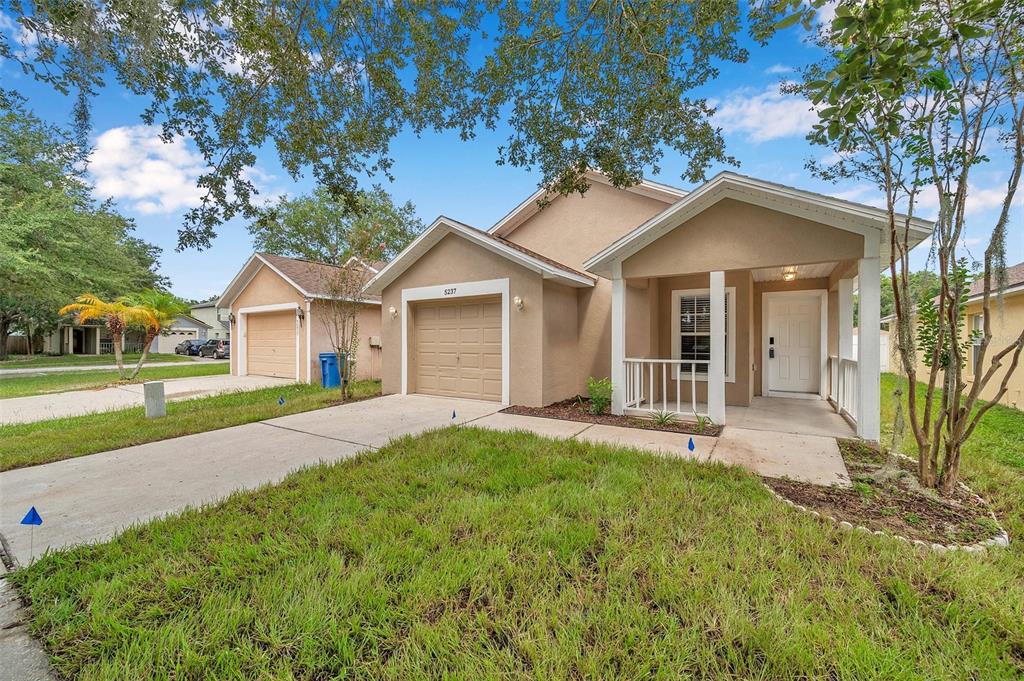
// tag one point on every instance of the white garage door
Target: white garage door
(270, 345)
(167, 342)
(456, 348)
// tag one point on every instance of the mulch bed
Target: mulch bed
(893, 505)
(578, 409)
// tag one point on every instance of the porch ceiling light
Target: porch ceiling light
(789, 273)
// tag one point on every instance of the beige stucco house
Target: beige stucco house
(278, 311)
(690, 301)
(1006, 323)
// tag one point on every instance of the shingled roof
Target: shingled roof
(1014, 277)
(309, 277)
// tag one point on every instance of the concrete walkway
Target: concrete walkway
(35, 371)
(77, 402)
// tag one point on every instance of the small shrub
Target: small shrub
(702, 422)
(663, 418)
(599, 390)
(913, 519)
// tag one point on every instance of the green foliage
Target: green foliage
(663, 418)
(599, 390)
(581, 84)
(54, 241)
(323, 228)
(928, 324)
(703, 422)
(44, 384)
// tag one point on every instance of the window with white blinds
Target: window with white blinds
(692, 330)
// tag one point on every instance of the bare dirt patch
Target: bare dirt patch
(578, 409)
(893, 503)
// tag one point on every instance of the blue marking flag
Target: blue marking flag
(32, 517)
(280, 401)
(691, 446)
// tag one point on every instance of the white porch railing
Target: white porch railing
(649, 385)
(842, 385)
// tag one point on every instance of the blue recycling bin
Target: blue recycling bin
(330, 372)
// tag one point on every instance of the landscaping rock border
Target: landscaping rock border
(1001, 540)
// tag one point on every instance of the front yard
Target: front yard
(42, 384)
(30, 444)
(474, 554)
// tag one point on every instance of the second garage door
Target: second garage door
(457, 348)
(270, 344)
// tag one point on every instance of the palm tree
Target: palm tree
(117, 315)
(156, 311)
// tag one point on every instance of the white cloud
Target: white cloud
(778, 68)
(827, 12)
(979, 200)
(132, 164)
(765, 115)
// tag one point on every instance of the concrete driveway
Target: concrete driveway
(77, 402)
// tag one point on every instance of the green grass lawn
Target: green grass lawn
(30, 444)
(41, 384)
(39, 361)
(474, 554)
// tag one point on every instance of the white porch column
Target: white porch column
(98, 334)
(845, 287)
(716, 370)
(869, 342)
(618, 368)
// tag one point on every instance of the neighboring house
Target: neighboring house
(215, 317)
(185, 327)
(278, 318)
(91, 338)
(1007, 322)
(682, 298)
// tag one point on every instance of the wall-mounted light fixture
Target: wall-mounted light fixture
(393, 312)
(789, 273)
(518, 302)
(231, 317)
(302, 315)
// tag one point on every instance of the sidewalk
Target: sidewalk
(28, 371)
(78, 402)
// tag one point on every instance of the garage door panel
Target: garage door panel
(456, 348)
(270, 344)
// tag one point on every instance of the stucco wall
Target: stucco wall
(560, 343)
(761, 287)
(732, 235)
(1007, 321)
(569, 230)
(368, 360)
(738, 392)
(455, 260)
(266, 288)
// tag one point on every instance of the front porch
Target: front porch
(738, 305)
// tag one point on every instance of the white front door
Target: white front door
(794, 338)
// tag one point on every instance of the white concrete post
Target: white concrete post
(156, 406)
(98, 333)
(716, 370)
(618, 368)
(869, 344)
(846, 319)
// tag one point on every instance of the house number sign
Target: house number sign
(450, 291)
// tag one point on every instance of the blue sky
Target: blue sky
(440, 174)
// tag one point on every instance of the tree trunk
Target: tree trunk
(5, 335)
(145, 354)
(118, 355)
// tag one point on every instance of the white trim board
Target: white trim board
(241, 316)
(454, 291)
(443, 226)
(822, 295)
(854, 217)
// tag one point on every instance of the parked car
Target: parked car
(189, 347)
(216, 348)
